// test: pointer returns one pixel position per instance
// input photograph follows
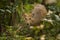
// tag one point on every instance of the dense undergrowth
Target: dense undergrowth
(13, 27)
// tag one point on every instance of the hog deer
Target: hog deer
(37, 15)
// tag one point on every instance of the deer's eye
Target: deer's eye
(29, 18)
(25, 18)
(27, 24)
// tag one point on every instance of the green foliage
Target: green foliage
(28, 8)
(11, 20)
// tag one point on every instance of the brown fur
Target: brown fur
(38, 13)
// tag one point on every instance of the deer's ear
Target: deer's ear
(24, 15)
